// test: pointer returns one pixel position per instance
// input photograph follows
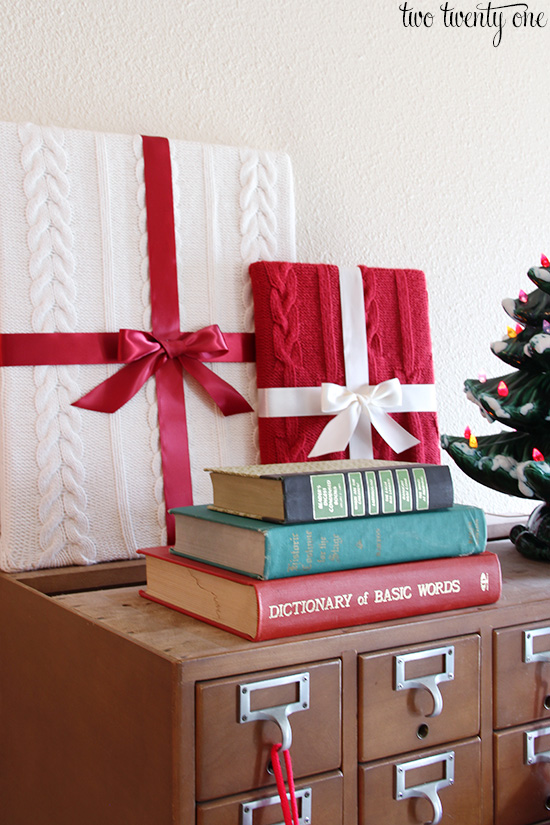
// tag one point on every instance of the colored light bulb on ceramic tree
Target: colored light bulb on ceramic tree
(537, 455)
(470, 438)
(502, 389)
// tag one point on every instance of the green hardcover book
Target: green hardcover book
(271, 551)
(316, 491)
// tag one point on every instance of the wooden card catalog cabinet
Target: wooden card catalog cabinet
(115, 709)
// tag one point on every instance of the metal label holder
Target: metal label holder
(303, 796)
(430, 682)
(529, 654)
(531, 736)
(280, 713)
(428, 790)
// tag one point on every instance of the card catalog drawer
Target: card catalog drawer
(319, 800)
(522, 674)
(440, 785)
(522, 775)
(239, 719)
(418, 696)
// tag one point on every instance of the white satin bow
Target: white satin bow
(355, 411)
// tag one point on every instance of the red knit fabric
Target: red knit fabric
(299, 344)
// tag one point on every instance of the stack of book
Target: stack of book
(298, 548)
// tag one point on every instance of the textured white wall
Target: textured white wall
(424, 148)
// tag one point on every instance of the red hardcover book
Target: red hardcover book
(260, 610)
(301, 330)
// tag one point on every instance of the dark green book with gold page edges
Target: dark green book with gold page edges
(315, 491)
(269, 551)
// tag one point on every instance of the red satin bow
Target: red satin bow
(145, 354)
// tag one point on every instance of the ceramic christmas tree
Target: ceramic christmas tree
(514, 462)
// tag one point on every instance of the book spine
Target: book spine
(330, 601)
(318, 547)
(372, 492)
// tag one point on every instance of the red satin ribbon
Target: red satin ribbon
(165, 352)
(33, 349)
(145, 355)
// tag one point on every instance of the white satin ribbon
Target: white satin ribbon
(358, 406)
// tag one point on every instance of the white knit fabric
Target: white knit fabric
(79, 487)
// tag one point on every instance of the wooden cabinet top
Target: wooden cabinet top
(526, 590)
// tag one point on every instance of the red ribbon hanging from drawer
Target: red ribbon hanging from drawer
(290, 811)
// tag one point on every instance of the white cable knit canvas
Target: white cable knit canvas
(80, 487)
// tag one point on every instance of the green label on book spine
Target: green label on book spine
(328, 494)
(405, 491)
(421, 488)
(372, 493)
(356, 494)
(387, 490)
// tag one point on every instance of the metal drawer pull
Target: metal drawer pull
(529, 654)
(531, 737)
(304, 795)
(430, 682)
(280, 713)
(428, 790)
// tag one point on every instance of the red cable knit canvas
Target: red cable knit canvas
(300, 343)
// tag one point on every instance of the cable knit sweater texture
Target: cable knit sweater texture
(79, 487)
(299, 344)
